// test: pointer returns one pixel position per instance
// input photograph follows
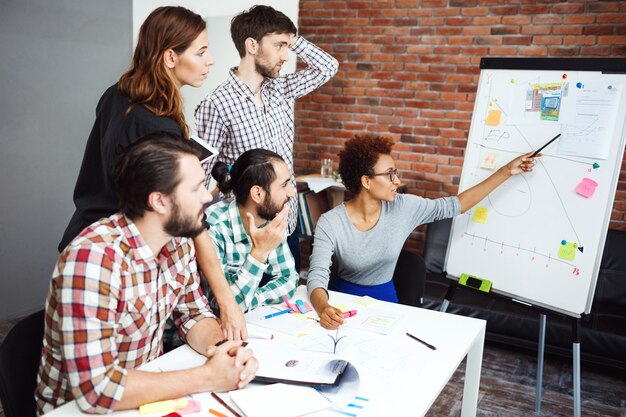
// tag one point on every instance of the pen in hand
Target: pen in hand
(428, 345)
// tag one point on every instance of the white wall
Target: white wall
(218, 15)
(58, 57)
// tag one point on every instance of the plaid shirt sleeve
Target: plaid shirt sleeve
(87, 293)
(244, 280)
(321, 68)
(212, 128)
(192, 305)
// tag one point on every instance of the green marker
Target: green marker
(476, 283)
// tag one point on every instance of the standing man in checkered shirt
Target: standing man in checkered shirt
(250, 229)
(254, 107)
(121, 278)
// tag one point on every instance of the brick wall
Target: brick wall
(409, 70)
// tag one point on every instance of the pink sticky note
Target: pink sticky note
(586, 187)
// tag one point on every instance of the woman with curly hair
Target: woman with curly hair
(367, 233)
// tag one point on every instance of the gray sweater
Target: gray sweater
(369, 258)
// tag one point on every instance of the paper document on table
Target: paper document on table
(290, 323)
(317, 184)
(279, 400)
(377, 320)
(296, 366)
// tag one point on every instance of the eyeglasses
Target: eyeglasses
(392, 174)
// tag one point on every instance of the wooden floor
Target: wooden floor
(507, 387)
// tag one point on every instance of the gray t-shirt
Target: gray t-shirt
(369, 258)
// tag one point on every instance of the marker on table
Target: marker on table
(217, 413)
(549, 142)
(428, 345)
(349, 313)
(278, 313)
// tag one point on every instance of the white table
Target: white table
(413, 387)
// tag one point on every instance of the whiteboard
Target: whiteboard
(539, 237)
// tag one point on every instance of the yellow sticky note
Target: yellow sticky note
(341, 307)
(489, 161)
(365, 301)
(493, 117)
(480, 215)
(567, 250)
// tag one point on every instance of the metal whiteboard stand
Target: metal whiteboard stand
(540, 351)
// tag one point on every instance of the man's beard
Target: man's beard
(180, 226)
(265, 70)
(268, 210)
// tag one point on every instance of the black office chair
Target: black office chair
(20, 353)
(409, 277)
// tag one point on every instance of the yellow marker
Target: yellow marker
(164, 406)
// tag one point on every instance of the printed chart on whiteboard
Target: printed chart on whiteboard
(539, 236)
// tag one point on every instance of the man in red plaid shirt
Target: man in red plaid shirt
(115, 285)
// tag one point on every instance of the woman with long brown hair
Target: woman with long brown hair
(172, 51)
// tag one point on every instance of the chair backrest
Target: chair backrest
(408, 278)
(20, 353)
(436, 245)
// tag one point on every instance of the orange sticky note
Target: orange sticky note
(493, 117)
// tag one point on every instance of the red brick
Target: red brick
(612, 18)
(489, 40)
(568, 8)
(564, 51)
(567, 30)
(547, 40)
(446, 50)
(515, 20)
(505, 30)
(448, 11)
(447, 30)
(576, 19)
(606, 6)
(475, 11)
(534, 51)
(580, 40)
(547, 19)
(487, 20)
(619, 40)
(600, 30)
(536, 30)
(502, 50)
(517, 40)
(525, 10)
(505, 10)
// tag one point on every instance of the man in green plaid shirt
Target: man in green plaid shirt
(250, 229)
